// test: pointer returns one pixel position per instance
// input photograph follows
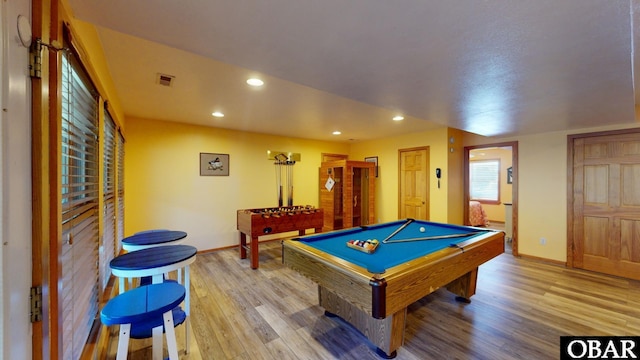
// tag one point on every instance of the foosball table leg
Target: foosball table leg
(254, 252)
(243, 246)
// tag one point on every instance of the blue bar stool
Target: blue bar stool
(155, 262)
(151, 238)
(150, 231)
(149, 306)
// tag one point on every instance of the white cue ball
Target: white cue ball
(422, 229)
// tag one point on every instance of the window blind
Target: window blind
(120, 216)
(79, 180)
(107, 248)
(485, 180)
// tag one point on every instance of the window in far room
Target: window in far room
(485, 181)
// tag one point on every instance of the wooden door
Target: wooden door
(414, 184)
(606, 204)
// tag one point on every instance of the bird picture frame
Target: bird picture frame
(214, 164)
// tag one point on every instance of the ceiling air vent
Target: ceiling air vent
(165, 80)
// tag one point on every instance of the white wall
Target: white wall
(15, 185)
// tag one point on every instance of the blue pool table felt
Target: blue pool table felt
(389, 254)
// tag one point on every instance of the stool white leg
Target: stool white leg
(170, 332)
(187, 306)
(186, 335)
(123, 341)
(157, 343)
(121, 288)
(157, 331)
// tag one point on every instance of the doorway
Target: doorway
(500, 202)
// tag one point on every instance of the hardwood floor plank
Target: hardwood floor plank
(520, 310)
(203, 329)
(332, 338)
(278, 349)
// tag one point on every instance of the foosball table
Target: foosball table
(254, 223)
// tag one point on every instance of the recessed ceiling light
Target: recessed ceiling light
(217, 114)
(255, 82)
(398, 118)
(337, 133)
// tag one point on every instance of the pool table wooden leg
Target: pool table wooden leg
(384, 355)
(387, 334)
(464, 286)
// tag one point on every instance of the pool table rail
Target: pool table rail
(453, 268)
(331, 272)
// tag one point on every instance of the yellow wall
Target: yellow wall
(387, 182)
(164, 188)
(455, 177)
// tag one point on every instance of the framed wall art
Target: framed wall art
(212, 164)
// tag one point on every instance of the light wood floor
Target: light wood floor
(520, 310)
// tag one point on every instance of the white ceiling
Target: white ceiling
(491, 67)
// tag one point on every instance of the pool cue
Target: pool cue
(278, 181)
(287, 169)
(437, 237)
(290, 182)
(278, 163)
(409, 221)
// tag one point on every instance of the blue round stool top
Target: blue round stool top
(142, 304)
(151, 258)
(153, 237)
(150, 231)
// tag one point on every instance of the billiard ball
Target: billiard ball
(422, 229)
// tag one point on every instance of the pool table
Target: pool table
(413, 259)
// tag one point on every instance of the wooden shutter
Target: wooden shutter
(120, 216)
(79, 179)
(107, 250)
